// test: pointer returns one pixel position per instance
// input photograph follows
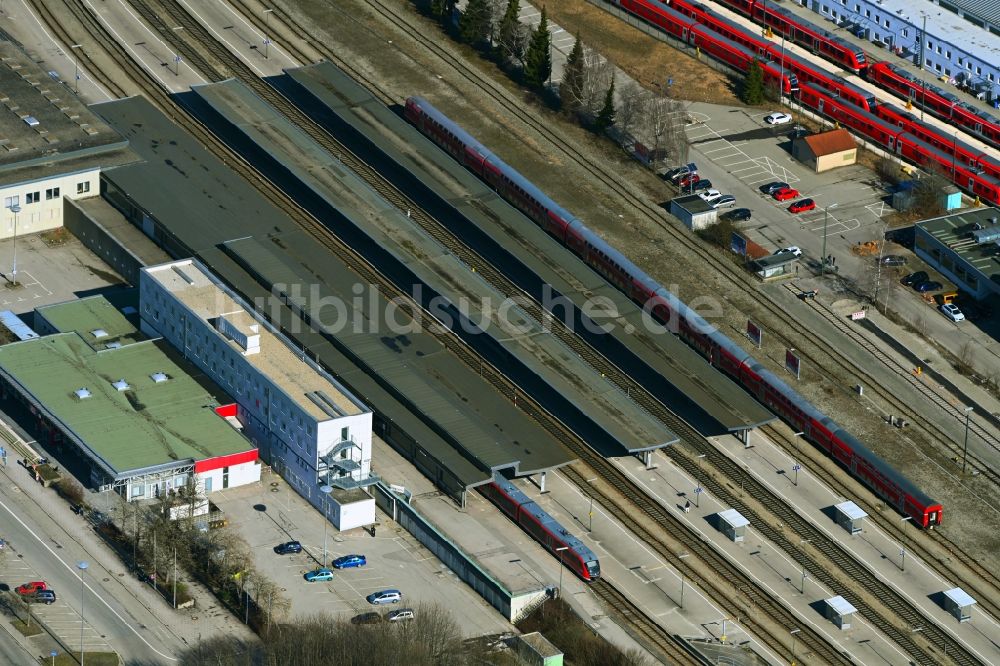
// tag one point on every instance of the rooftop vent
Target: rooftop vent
(113, 345)
(99, 333)
(993, 220)
(159, 377)
(82, 393)
(31, 121)
(121, 385)
(987, 235)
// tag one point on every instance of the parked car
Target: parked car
(914, 279)
(701, 184)
(927, 285)
(785, 193)
(31, 588)
(893, 260)
(348, 561)
(725, 201)
(952, 312)
(288, 547)
(678, 171)
(738, 215)
(802, 205)
(791, 249)
(319, 575)
(771, 188)
(688, 180)
(367, 618)
(777, 118)
(385, 597)
(710, 195)
(401, 615)
(46, 597)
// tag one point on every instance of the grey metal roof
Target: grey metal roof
(988, 10)
(733, 518)
(841, 606)
(851, 510)
(200, 204)
(683, 378)
(522, 347)
(959, 596)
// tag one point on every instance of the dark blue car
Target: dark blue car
(288, 548)
(348, 561)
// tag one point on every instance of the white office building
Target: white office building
(309, 427)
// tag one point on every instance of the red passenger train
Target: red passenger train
(677, 317)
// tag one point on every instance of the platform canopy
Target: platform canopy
(851, 510)
(959, 597)
(733, 518)
(841, 606)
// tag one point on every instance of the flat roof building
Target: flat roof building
(309, 427)
(143, 424)
(693, 211)
(51, 145)
(95, 319)
(965, 248)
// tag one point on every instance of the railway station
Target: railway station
(421, 393)
(668, 367)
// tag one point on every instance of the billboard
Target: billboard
(754, 333)
(792, 362)
(738, 244)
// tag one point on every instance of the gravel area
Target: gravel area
(405, 68)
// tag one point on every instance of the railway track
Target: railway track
(611, 179)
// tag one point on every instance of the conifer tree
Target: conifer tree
(571, 87)
(753, 85)
(474, 23)
(538, 61)
(509, 34)
(606, 117)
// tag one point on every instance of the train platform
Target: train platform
(193, 205)
(496, 543)
(419, 264)
(540, 264)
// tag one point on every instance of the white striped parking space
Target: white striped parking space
(750, 170)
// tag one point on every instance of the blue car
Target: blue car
(348, 561)
(319, 575)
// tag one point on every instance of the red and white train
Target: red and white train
(677, 317)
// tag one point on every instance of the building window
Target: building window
(868, 13)
(906, 32)
(885, 22)
(947, 54)
(937, 67)
(979, 70)
(947, 71)
(345, 434)
(52, 193)
(12, 201)
(857, 7)
(937, 49)
(33, 197)
(83, 188)
(927, 61)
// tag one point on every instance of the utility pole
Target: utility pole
(965, 450)
(826, 219)
(267, 37)
(174, 577)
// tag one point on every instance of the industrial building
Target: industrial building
(958, 47)
(52, 147)
(309, 428)
(965, 248)
(122, 406)
(826, 150)
(693, 211)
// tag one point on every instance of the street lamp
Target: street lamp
(590, 514)
(902, 546)
(965, 450)
(793, 632)
(267, 39)
(826, 218)
(82, 566)
(76, 69)
(560, 551)
(681, 557)
(15, 209)
(802, 585)
(795, 468)
(326, 490)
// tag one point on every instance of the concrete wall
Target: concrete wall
(510, 606)
(834, 160)
(41, 201)
(97, 239)
(239, 475)
(348, 516)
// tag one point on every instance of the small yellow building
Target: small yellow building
(826, 150)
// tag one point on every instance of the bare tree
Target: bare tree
(664, 127)
(596, 79)
(631, 102)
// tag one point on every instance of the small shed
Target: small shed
(733, 524)
(693, 211)
(826, 150)
(536, 650)
(775, 265)
(959, 604)
(839, 611)
(849, 516)
(951, 197)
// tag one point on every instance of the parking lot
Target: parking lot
(740, 153)
(266, 516)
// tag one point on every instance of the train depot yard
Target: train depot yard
(478, 371)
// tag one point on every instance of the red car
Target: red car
(32, 587)
(785, 193)
(689, 180)
(802, 206)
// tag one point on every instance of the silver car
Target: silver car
(725, 201)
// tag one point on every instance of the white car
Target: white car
(791, 249)
(778, 118)
(710, 195)
(952, 312)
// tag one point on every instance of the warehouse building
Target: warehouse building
(309, 428)
(962, 46)
(826, 150)
(133, 418)
(964, 248)
(52, 146)
(693, 211)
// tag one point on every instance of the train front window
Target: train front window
(594, 569)
(860, 56)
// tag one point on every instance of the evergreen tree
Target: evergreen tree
(538, 61)
(753, 85)
(509, 34)
(571, 88)
(606, 117)
(437, 9)
(474, 23)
